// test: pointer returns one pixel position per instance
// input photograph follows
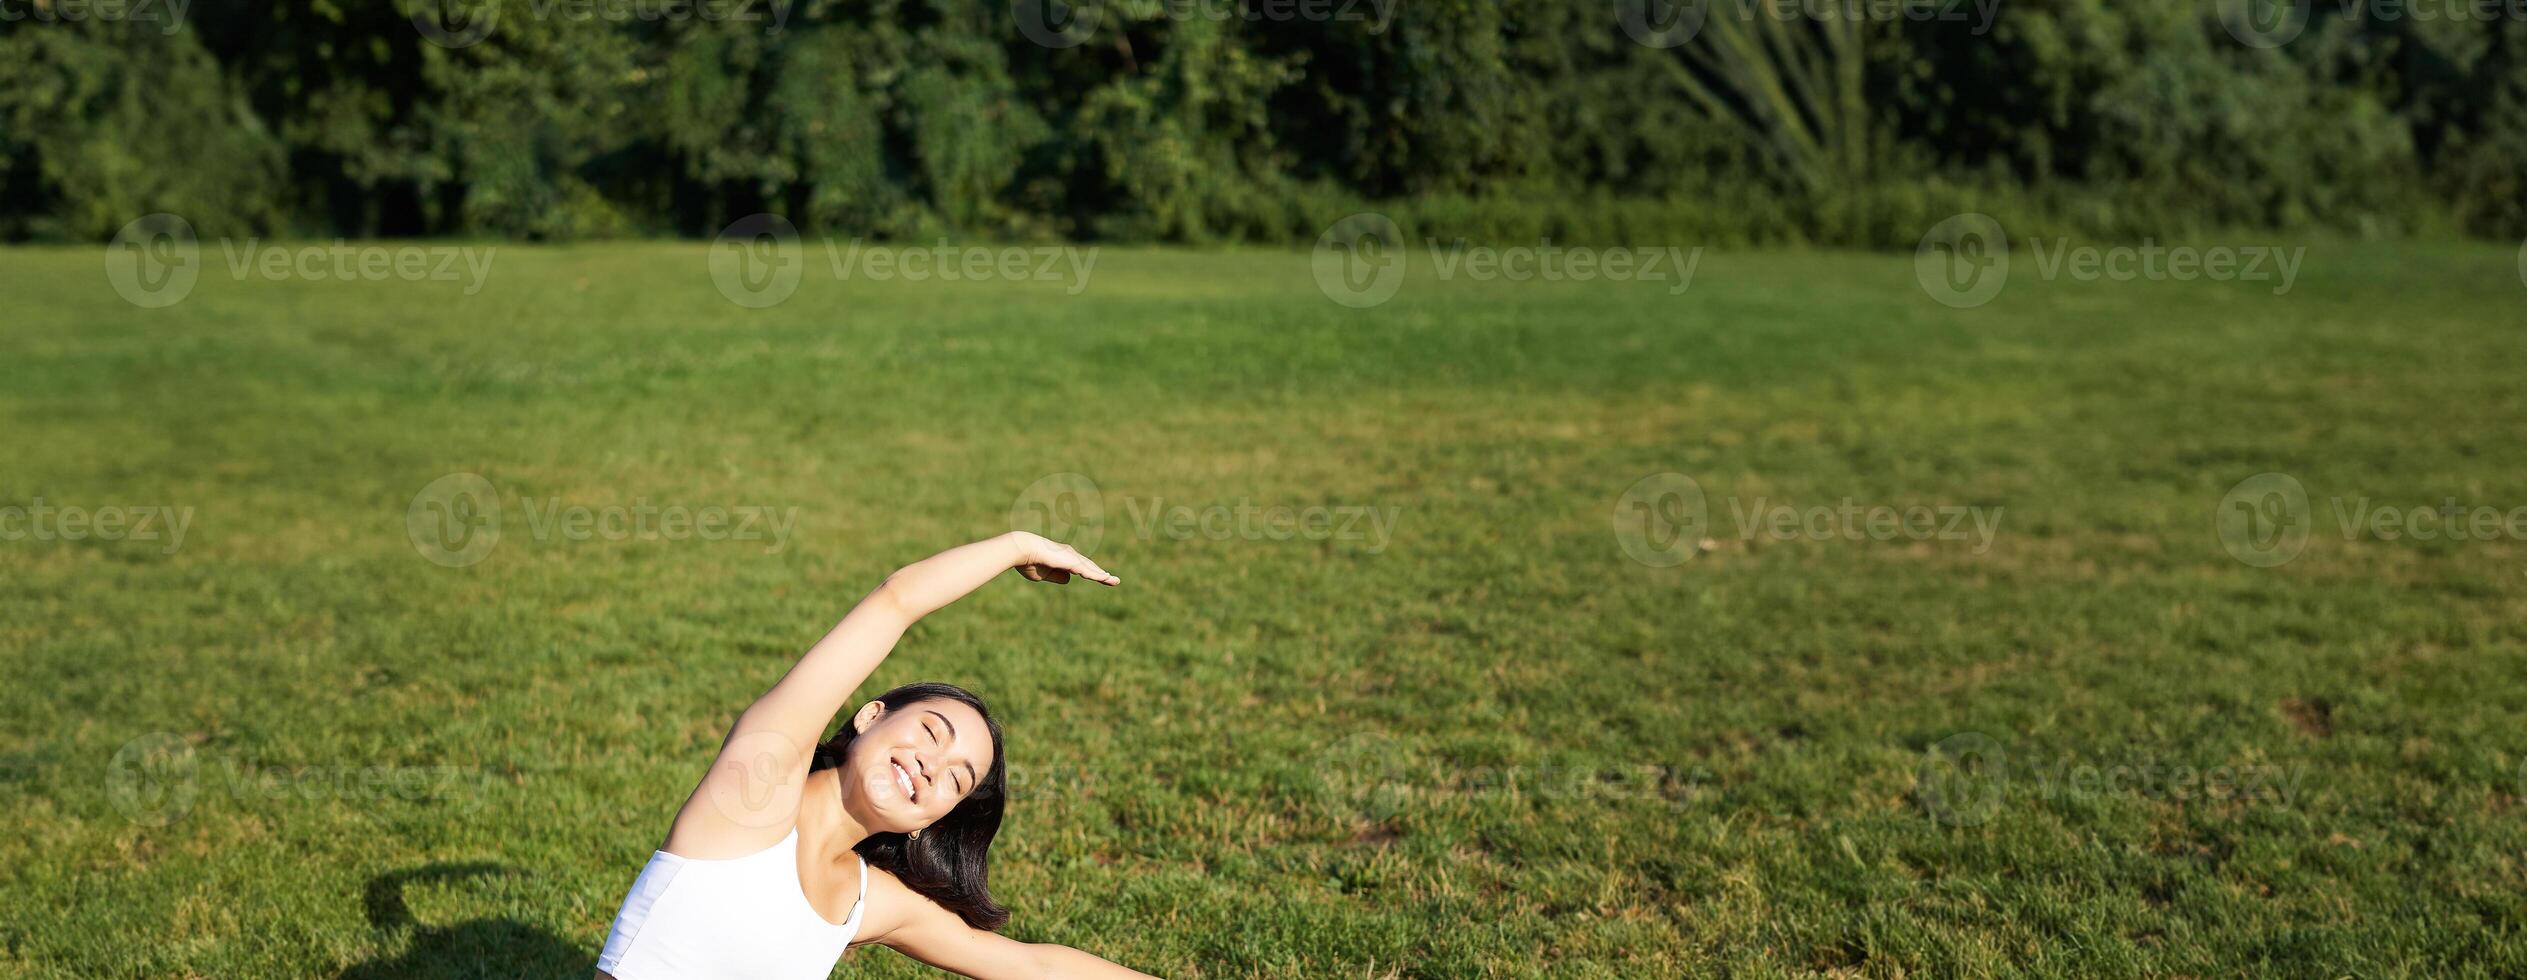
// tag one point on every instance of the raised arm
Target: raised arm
(751, 791)
(820, 686)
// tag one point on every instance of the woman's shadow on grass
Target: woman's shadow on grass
(474, 948)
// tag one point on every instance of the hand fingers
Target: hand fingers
(1065, 561)
(1072, 560)
(1094, 573)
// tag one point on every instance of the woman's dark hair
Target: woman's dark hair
(947, 864)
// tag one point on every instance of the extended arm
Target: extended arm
(922, 930)
(753, 785)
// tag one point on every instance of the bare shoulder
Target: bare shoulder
(910, 923)
(892, 907)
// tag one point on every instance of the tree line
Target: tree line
(1838, 122)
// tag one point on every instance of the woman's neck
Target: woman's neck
(824, 824)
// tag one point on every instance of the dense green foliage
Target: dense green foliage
(1174, 120)
(1488, 744)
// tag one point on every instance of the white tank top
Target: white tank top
(691, 919)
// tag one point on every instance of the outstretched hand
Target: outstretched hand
(1043, 559)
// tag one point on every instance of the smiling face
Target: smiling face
(912, 764)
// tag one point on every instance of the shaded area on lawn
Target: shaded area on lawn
(473, 948)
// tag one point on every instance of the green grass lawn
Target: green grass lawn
(1485, 740)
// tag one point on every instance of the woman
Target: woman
(789, 852)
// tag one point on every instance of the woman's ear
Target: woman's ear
(867, 715)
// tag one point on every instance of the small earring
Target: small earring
(916, 835)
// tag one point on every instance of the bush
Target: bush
(103, 125)
(1482, 119)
